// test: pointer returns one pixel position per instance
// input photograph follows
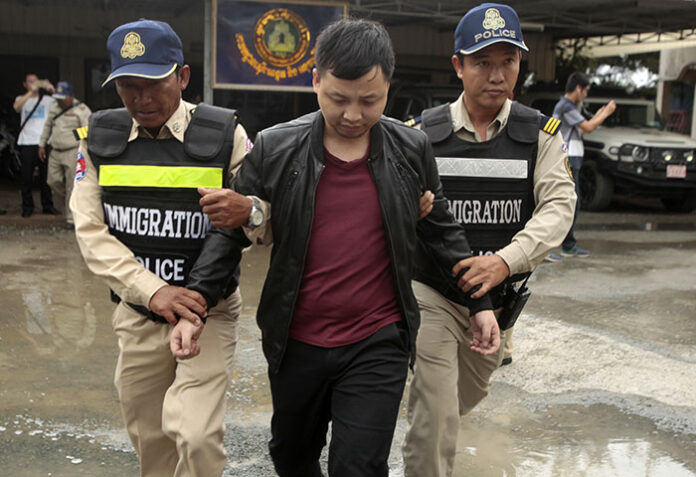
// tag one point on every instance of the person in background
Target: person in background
(64, 116)
(33, 107)
(573, 126)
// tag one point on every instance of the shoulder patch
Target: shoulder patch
(81, 167)
(413, 122)
(80, 133)
(548, 124)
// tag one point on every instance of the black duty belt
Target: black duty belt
(142, 310)
(147, 313)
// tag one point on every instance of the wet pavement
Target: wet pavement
(603, 379)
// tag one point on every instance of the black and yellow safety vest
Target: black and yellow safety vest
(149, 186)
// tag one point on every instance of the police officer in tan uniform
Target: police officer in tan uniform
(140, 226)
(64, 116)
(504, 171)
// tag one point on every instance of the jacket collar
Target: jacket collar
(317, 138)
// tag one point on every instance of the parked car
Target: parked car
(631, 153)
(407, 101)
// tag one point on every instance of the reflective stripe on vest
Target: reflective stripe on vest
(481, 167)
(159, 176)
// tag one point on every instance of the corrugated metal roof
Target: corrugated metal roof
(563, 18)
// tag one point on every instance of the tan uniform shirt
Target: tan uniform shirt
(59, 132)
(554, 192)
(104, 254)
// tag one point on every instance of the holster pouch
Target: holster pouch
(514, 299)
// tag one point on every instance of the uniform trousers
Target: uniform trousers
(507, 345)
(30, 161)
(174, 409)
(61, 178)
(449, 381)
(358, 387)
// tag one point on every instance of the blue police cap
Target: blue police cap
(63, 90)
(144, 49)
(485, 25)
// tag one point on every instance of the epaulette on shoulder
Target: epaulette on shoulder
(548, 124)
(413, 122)
(81, 133)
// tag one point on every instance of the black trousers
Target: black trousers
(357, 387)
(30, 160)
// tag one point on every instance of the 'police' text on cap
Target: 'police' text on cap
(487, 24)
(144, 49)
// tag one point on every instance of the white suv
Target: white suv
(631, 153)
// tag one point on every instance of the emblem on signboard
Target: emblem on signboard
(493, 20)
(132, 46)
(281, 37)
(281, 40)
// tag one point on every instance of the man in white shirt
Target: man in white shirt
(33, 108)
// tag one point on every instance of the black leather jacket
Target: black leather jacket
(284, 168)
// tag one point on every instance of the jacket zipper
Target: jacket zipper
(393, 262)
(304, 258)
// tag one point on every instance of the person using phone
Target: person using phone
(33, 108)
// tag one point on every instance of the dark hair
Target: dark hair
(350, 48)
(576, 79)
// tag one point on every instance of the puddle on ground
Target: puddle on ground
(629, 307)
(568, 440)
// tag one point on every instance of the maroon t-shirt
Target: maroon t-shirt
(347, 291)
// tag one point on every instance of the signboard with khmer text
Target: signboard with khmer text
(268, 45)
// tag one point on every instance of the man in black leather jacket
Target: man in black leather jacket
(337, 314)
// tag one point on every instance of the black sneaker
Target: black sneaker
(27, 213)
(51, 211)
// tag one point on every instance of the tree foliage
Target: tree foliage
(629, 72)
